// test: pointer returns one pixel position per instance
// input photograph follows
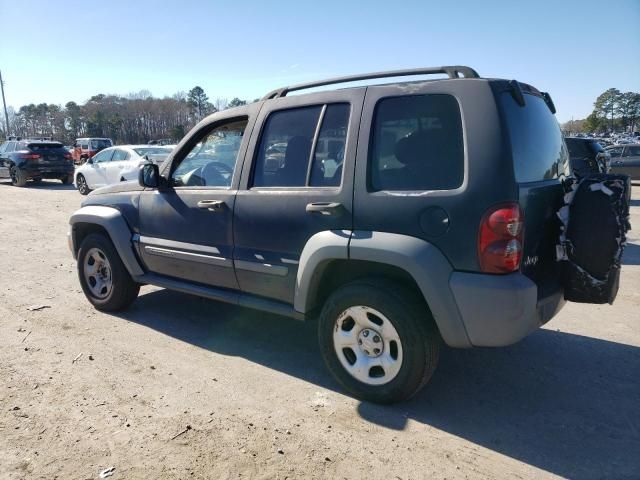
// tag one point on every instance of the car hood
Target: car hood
(132, 186)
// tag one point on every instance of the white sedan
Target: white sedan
(117, 164)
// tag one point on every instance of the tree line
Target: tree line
(613, 111)
(134, 118)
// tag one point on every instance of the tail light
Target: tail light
(28, 156)
(500, 239)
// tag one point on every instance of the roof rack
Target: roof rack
(453, 71)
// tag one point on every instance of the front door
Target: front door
(297, 181)
(186, 229)
(96, 173)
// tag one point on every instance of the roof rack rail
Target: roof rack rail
(453, 71)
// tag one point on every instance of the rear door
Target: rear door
(540, 162)
(297, 182)
(52, 155)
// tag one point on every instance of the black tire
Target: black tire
(81, 184)
(67, 180)
(409, 315)
(123, 289)
(18, 178)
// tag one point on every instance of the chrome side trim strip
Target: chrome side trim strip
(267, 268)
(188, 256)
(161, 242)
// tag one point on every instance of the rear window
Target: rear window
(416, 144)
(538, 149)
(36, 147)
(578, 148)
(100, 143)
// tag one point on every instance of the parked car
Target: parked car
(117, 164)
(586, 156)
(420, 235)
(625, 159)
(24, 160)
(85, 148)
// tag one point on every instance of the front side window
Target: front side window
(284, 156)
(631, 152)
(614, 152)
(212, 161)
(416, 144)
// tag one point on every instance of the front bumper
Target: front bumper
(499, 310)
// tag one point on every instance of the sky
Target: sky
(62, 50)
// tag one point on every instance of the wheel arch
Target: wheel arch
(328, 261)
(107, 220)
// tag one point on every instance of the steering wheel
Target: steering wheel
(215, 174)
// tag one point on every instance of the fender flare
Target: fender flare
(116, 226)
(423, 261)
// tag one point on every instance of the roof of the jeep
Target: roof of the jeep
(452, 71)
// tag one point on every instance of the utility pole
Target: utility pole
(4, 104)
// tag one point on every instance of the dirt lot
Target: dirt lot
(82, 391)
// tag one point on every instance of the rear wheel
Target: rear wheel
(104, 279)
(67, 180)
(378, 340)
(18, 178)
(81, 183)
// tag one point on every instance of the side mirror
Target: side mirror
(89, 161)
(149, 176)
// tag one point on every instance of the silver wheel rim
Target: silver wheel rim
(82, 183)
(97, 273)
(367, 345)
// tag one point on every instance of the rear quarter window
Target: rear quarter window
(416, 144)
(537, 147)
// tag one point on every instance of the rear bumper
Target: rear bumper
(499, 310)
(49, 171)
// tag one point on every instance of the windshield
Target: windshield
(538, 149)
(152, 151)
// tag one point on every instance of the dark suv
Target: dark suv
(23, 160)
(399, 215)
(587, 156)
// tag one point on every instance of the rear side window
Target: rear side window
(119, 155)
(631, 151)
(416, 144)
(537, 146)
(284, 155)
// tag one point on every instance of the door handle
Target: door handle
(215, 206)
(325, 208)
(618, 162)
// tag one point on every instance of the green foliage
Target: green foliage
(199, 102)
(236, 102)
(176, 133)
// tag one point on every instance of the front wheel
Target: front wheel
(104, 279)
(82, 185)
(378, 340)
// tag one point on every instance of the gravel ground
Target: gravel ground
(181, 387)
